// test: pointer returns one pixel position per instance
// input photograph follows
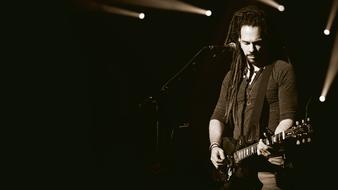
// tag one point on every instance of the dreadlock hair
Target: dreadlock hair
(252, 16)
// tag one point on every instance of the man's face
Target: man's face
(251, 43)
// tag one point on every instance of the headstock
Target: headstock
(301, 131)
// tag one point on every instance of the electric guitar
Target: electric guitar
(300, 133)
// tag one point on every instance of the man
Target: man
(239, 92)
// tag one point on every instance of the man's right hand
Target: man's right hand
(217, 157)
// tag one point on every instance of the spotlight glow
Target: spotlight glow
(332, 69)
(327, 32)
(208, 13)
(281, 8)
(119, 11)
(141, 16)
(322, 98)
(332, 15)
(175, 5)
(273, 4)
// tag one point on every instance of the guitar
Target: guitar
(300, 133)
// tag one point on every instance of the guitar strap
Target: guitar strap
(257, 110)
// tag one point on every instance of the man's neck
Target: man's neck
(252, 71)
(255, 67)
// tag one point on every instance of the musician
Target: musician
(237, 101)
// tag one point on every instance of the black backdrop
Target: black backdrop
(101, 76)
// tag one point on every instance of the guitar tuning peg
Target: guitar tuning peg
(303, 140)
(297, 123)
(308, 139)
(308, 120)
(298, 142)
(303, 121)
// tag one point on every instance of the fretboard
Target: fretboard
(245, 152)
(252, 149)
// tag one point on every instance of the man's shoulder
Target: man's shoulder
(282, 65)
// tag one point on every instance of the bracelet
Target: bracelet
(214, 144)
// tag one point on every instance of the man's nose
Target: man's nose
(251, 47)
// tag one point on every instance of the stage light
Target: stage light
(120, 11)
(332, 68)
(327, 32)
(175, 5)
(322, 98)
(208, 13)
(281, 8)
(274, 4)
(141, 16)
(332, 15)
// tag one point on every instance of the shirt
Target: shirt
(280, 101)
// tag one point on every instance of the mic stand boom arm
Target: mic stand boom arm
(165, 86)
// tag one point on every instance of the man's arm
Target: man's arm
(216, 129)
(287, 95)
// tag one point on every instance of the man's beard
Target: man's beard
(255, 60)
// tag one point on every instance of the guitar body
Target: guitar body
(241, 165)
(239, 176)
(234, 171)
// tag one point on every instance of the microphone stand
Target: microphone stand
(154, 100)
(166, 86)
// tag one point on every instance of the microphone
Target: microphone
(231, 45)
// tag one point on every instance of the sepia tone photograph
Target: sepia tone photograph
(183, 94)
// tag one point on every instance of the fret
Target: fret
(254, 148)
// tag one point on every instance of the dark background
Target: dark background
(98, 76)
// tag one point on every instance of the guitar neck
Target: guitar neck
(245, 152)
(252, 149)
